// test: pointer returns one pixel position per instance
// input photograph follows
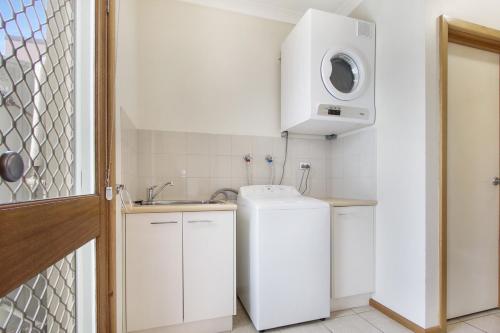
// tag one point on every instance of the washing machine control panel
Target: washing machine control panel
(269, 191)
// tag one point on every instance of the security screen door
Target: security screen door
(53, 166)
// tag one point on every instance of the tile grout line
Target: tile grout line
(464, 319)
(466, 323)
(370, 323)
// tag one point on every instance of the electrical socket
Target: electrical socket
(304, 165)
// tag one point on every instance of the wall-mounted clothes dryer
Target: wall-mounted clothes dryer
(328, 75)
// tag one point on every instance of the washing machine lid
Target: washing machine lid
(299, 203)
(278, 197)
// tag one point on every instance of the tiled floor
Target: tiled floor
(358, 320)
(368, 320)
(488, 321)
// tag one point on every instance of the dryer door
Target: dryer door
(343, 74)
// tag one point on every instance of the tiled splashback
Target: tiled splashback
(129, 154)
(199, 164)
(353, 160)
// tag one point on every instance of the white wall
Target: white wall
(484, 12)
(208, 70)
(401, 175)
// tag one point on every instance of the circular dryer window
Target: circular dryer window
(345, 73)
(342, 75)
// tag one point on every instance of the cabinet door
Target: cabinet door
(353, 251)
(153, 252)
(208, 243)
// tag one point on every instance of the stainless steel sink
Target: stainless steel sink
(177, 202)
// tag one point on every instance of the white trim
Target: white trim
(253, 9)
(267, 11)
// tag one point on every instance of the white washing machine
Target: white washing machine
(283, 256)
(328, 75)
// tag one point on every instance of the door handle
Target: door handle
(201, 221)
(496, 181)
(165, 222)
(11, 166)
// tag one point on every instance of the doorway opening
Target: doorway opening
(470, 159)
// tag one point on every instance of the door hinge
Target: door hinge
(107, 6)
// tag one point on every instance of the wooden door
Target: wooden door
(473, 162)
(55, 164)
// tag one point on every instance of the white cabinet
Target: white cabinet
(353, 251)
(208, 244)
(153, 258)
(180, 269)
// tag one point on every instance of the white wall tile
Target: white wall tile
(238, 167)
(145, 142)
(241, 145)
(201, 163)
(169, 142)
(221, 166)
(262, 146)
(221, 145)
(198, 188)
(166, 166)
(279, 147)
(199, 166)
(198, 143)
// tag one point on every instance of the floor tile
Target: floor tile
(473, 316)
(384, 323)
(342, 313)
(490, 324)
(350, 324)
(362, 309)
(313, 327)
(462, 328)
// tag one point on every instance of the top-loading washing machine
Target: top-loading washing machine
(283, 256)
(328, 75)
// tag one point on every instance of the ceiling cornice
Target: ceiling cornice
(253, 9)
(348, 6)
(268, 11)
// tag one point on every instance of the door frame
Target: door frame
(461, 32)
(35, 235)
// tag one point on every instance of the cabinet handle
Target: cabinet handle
(200, 221)
(166, 222)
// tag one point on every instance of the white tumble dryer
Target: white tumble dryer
(283, 256)
(328, 75)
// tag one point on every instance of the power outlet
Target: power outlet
(304, 165)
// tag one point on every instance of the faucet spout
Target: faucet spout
(155, 190)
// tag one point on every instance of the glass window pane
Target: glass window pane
(47, 97)
(59, 299)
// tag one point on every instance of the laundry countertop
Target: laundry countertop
(342, 202)
(137, 209)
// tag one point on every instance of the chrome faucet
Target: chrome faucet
(152, 194)
(223, 191)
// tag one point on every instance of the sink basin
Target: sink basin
(177, 202)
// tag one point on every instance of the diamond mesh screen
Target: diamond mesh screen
(37, 96)
(46, 303)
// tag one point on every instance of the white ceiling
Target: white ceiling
(281, 10)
